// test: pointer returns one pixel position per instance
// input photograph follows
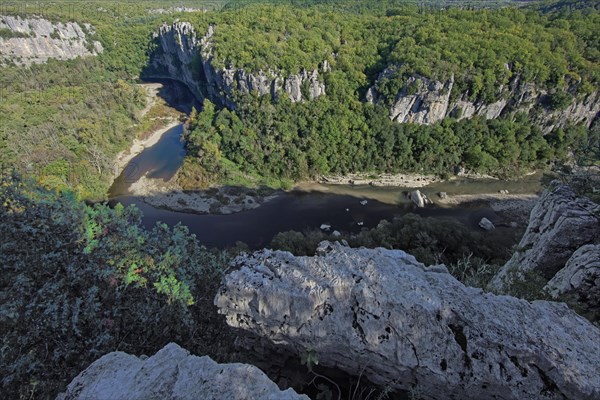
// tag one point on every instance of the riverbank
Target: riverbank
(139, 145)
(380, 180)
(510, 207)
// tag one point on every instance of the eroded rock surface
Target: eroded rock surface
(560, 223)
(425, 101)
(183, 55)
(36, 40)
(382, 313)
(580, 278)
(172, 373)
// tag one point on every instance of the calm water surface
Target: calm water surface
(299, 210)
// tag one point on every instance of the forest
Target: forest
(92, 279)
(73, 117)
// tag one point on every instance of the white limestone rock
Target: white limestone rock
(560, 223)
(45, 39)
(383, 314)
(172, 373)
(580, 278)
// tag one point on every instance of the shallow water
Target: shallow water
(160, 161)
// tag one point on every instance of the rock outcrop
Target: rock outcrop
(35, 40)
(382, 314)
(172, 373)
(580, 278)
(182, 55)
(425, 101)
(560, 223)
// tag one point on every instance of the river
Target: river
(304, 208)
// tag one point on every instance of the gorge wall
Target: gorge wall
(182, 55)
(425, 101)
(35, 40)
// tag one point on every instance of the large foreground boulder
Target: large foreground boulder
(382, 314)
(560, 223)
(580, 278)
(172, 373)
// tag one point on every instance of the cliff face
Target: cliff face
(425, 101)
(184, 56)
(384, 316)
(35, 40)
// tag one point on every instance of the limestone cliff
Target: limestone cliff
(181, 54)
(35, 40)
(381, 314)
(426, 101)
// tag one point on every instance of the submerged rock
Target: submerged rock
(382, 314)
(172, 373)
(560, 223)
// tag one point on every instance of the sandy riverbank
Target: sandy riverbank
(513, 207)
(124, 157)
(216, 200)
(388, 180)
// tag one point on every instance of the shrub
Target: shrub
(80, 281)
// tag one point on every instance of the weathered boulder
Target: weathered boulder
(580, 278)
(35, 40)
(418, 198)
(172, 373)
(559, 224)
(486, 224)
(383, 314)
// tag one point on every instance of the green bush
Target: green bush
(80, 281)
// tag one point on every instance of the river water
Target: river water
(302, 209)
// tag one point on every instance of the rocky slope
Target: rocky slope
(425, 101)
(580, 278)
(172, 373)
(35, 40)
(400, 324)
(182, 55)
(559, 224)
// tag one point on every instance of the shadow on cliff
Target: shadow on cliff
(175, 94)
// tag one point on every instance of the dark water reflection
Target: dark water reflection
(160, 161)
(297, 211)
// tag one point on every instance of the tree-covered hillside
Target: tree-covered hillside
(65, 121)
(484, 51)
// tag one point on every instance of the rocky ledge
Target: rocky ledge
(172, 373)
(381, 314)
(35, 40)
(559, 224)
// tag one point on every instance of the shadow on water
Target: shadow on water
(299, 211)
(160, 161)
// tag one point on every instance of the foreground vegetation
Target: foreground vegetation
(91, 280)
